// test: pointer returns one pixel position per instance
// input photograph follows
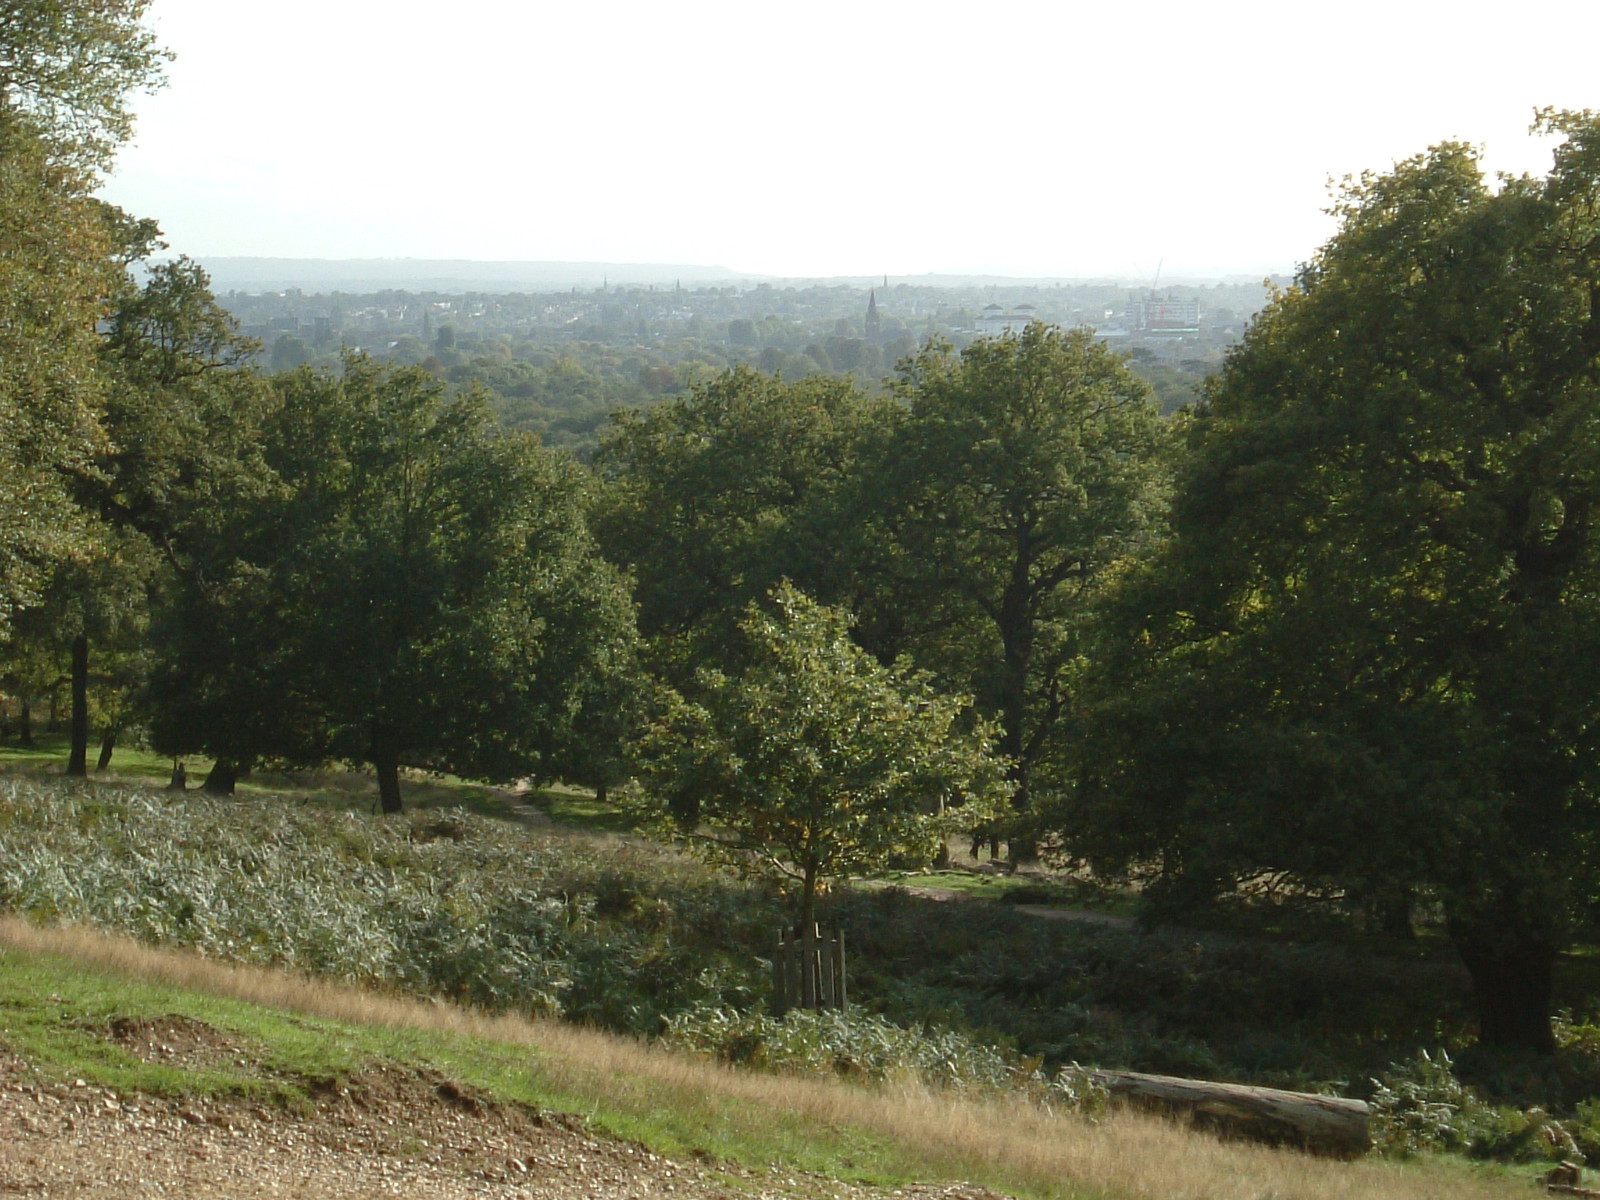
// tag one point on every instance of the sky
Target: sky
(1035, 138)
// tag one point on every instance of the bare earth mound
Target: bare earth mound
(388, 1133)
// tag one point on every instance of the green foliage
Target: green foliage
(447, 904)
(1365, 654)
(1171, 1001)
(55, 268)
(1421, 1105)
(414, 588)
(1020, 472)
(866, 1046)
(714, 499)
(67, 68)
(816, 762)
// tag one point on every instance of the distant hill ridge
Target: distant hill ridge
(448, 275)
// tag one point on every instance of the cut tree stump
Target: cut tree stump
(1321, 1124)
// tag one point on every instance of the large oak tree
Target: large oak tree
(1367, 658)
(1018, 473)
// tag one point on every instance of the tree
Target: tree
(55, 266)
(415, 589)
(817, 762)
(712, 499)
(67, 68)
(1022, 471)
(98, 597)
(183, 411)
(1367, 653)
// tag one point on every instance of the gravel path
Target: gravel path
(389, 1133)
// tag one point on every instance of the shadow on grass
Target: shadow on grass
(48, 756)
(342, 787)
(573, 808)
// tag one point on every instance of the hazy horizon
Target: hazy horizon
(836, 141)
(248, 273)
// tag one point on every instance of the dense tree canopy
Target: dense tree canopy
(55, 267)
(1018, 473)
(1368, 654)
(713, 499)
(415, 589)
(67, 68)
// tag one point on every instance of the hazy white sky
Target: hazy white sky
(1023, 137)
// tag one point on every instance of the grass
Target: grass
(1045, 890)
(626, 935)
(970, 883)
(48, 756)
(346, 788)
(623, 935)
(58, 985)
(576, 809)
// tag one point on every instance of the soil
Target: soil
(393, 1131)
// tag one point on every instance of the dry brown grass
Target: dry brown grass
(1008, 1145)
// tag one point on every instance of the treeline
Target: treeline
(558, 364)
(1334, 629)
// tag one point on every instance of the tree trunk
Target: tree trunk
(1016, 629)
(808, 938)
(78, 755)
(1321, 1124)
(1513, 984)
(108, 743)
(601, 792)
(386, 763)
(1394, 914)
(25, 725)
(808, 899)
(222, 778)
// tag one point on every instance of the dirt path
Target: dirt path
(1048, 912)
(395, 1133)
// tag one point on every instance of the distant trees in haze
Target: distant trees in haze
(558, 364)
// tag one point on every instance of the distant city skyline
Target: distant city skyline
(835, 140)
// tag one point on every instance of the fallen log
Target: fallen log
(1565, 1179)
(1321, 1124)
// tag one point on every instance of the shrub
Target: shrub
(866, 1046)
(483, 913)
(1421, 1105)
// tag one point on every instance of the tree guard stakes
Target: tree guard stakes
(808, 970)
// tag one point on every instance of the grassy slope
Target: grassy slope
(672, 1127)
(59, 988)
